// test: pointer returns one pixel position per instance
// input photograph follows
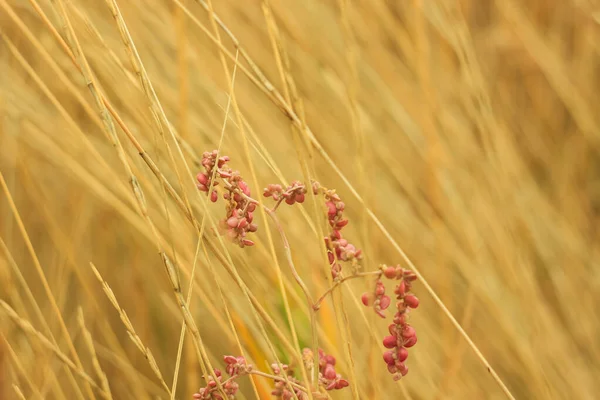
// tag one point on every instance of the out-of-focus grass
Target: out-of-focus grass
(469, 128)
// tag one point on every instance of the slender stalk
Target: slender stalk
(317, 304)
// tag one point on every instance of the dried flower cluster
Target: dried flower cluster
(236, 366)
(402, 335)
(238, 220)
(236, 225)
(338, 248)
(294, 193)
(286, 385)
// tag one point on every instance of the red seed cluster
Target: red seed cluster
(281, 389)
(402, 335)
(211, 391)
(338, 248)
(327, 374)
(238, 221)
(294, 193)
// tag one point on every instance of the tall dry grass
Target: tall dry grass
(464, 134)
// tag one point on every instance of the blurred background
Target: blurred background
(463, 133)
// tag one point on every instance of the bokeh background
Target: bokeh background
(463, 133)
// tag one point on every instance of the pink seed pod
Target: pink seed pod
(232, 222)
(403, 369)
(366, 299)
(252, 228)
(202, 178)
(392, 368)
(412, 301)
(230, 359)
(244, 187)
(388, 357)
(331, 209)
(202, 187)
(393, 329)
(329, 359)
(400, 289)
(243, 223)
(410, 342)
(408, 332)
(247, 242)
(250, 217)
(389, 342)
(290, 200)
(214, 196)
(400, 319)
(389, 272)
(342, 223)
(300, 198)
(251, 207)
(385, 302)
(402, 354)
(342, 383)
(329, 372)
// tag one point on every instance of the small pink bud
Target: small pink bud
(230, 359)
(384, 302)
(202, 187)
(366, 298)
(410, 342)
(343, 242)
(390, 342)
(408, 331)
(393, 329)
(392, 368)
(342, 224)
(336, 234)
(388, 357)
(247, 242)
(250, 217)
(389, 272)
(252, 228)
(412, 301)
(402, 354)
(289, 200)
(403, 369)
(340, 205)
(267, 192)
(400, 319)
(300, 198)
(330, 257)
(400, 289)
(244, 186)
(329, 359)
(214, 196)
(202, 178)
(237, 197)
(232, 222)
(251, 207)
(243, 223)
(342, 383)
(410, 276)
(331, 209)
(379, 289)
(329, 372)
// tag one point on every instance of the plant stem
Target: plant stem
(317, 304)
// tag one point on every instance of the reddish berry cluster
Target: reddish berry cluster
(327, 374)
(402, 335)
(281, 389)
(338, 248)
(236, 366)
(294, 193)
(238, 221)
